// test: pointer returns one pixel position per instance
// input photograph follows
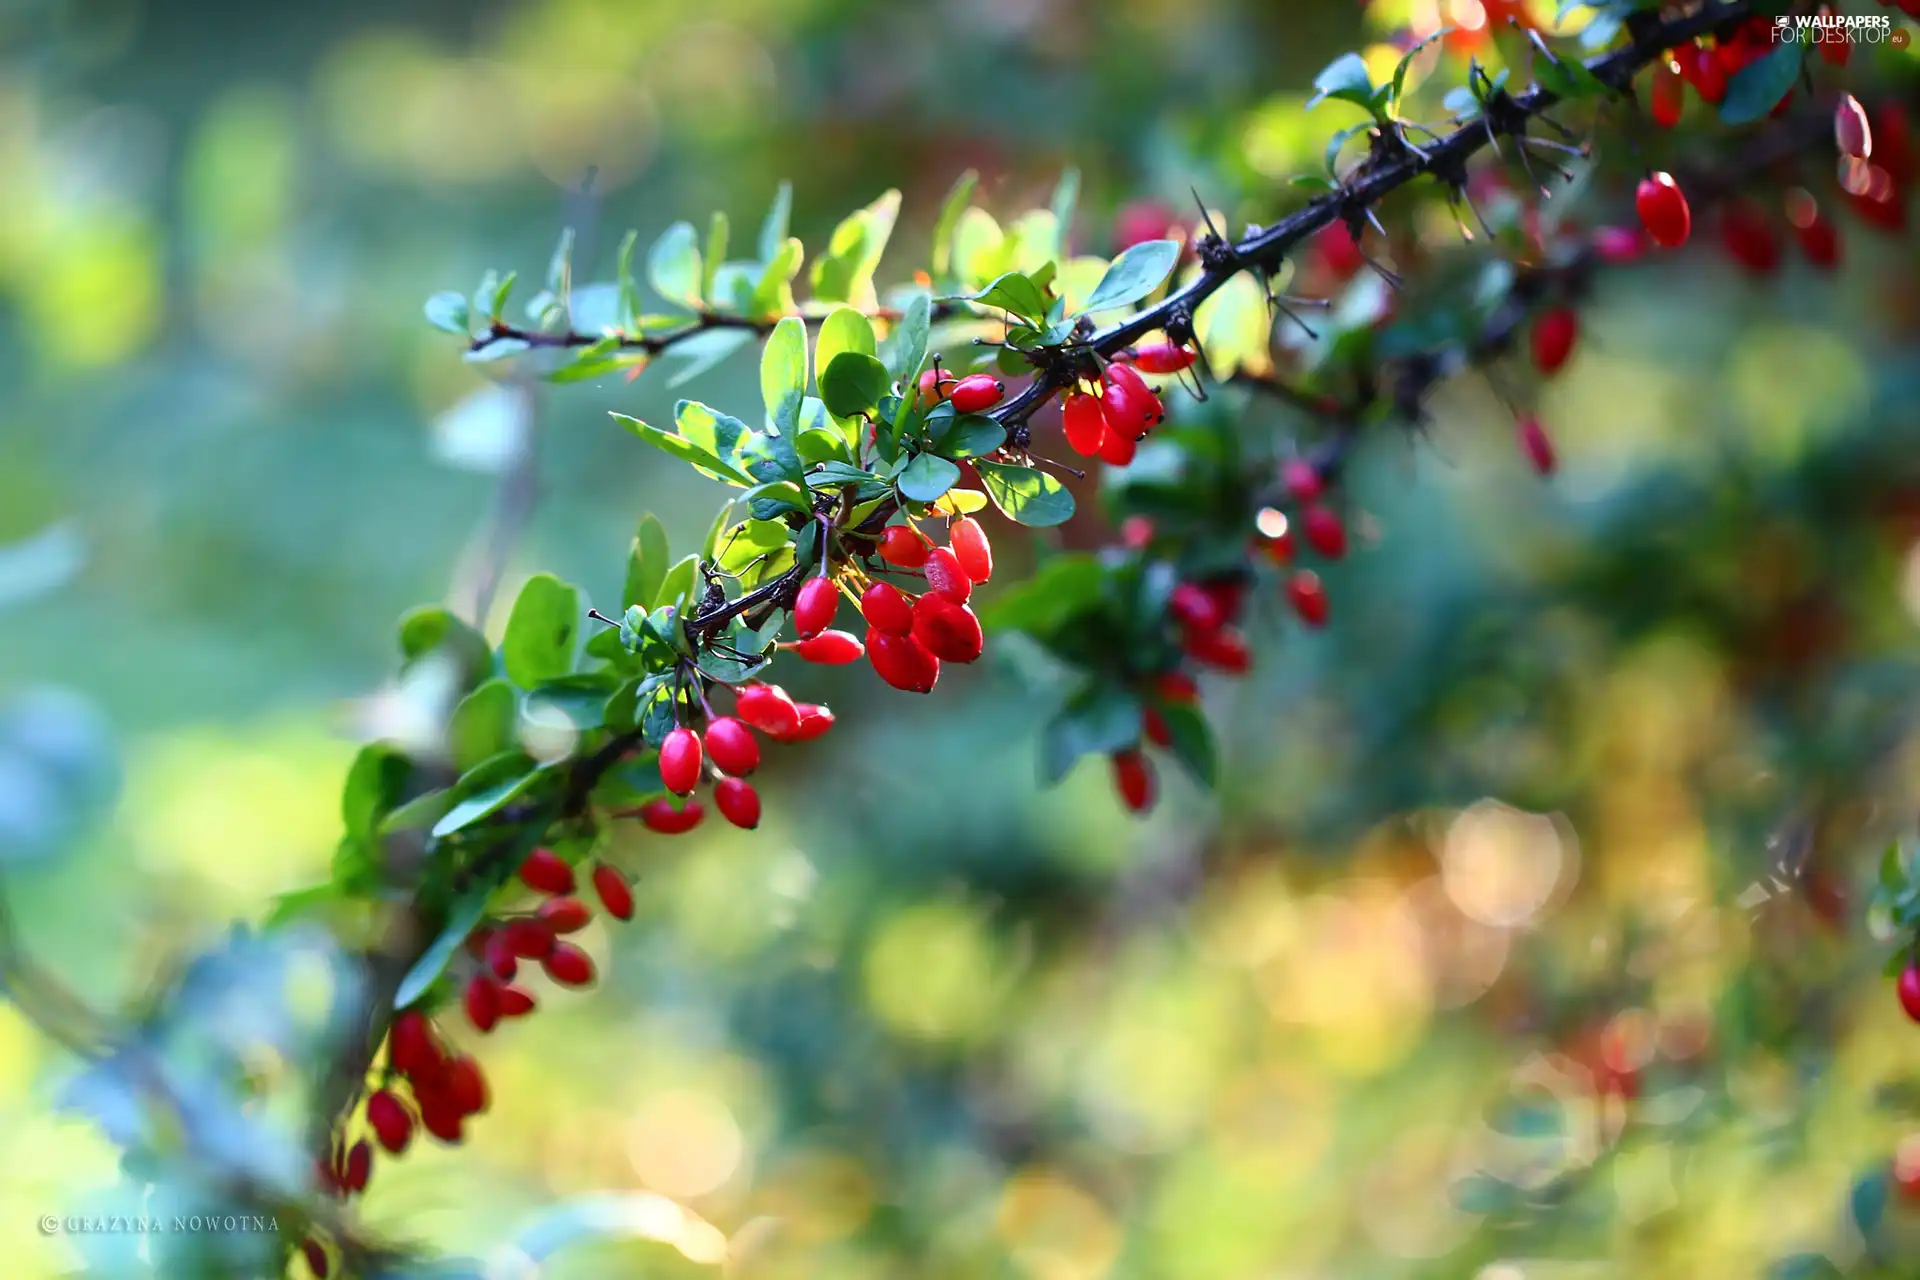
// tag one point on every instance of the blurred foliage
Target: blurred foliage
(1525, 938)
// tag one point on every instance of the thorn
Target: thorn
(1205, 216)
(598, 616)
(1294, 316)
(1075, 472)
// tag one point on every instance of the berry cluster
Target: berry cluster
(1110, 421)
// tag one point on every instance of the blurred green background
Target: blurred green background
(1484, 963)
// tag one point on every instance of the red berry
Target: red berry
(501, 961)
(1663, 210)
(971, 548)
(1851, 132)
(464, 1085)
(981, 391)
(1227, 596)
(530, 939)
(483, 1010)
(359, 1167)
(390, 1121)
(948, 631)
(738, 802)
(1668, 94)
(946, 576)
(732, 746)
(1162, 356)
(615, 894)
(1277, 550)
(411, 1046)
(903, 546)
(1177, 687)
(1117, 448)
(815, 720)
(1909, 991)
(1309, 597)
(768, 708)
(1154, 725)
(831, 649)
(815, 606)
(1324, 531)
(1193, 607)
(1748, 238)
(1704, 70)
(1339, 252)
(669, 819)
(1537, 445)
(547, 872)
(1085, 425)
(1819, 241)
(1128, 404)
(934, 386)
(1618, 246)
(569, 965)
(514, 1003)
(1552, 339)
(1303, 480)
(681, 756)
(1136, 532)
(887, 609)
(440, 1117)
(903, 662)
(316, 1256)
(1140, 221)
(1133, 779)
(564, 915)
(1223, 650)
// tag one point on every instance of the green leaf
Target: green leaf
(728, 670)
(1192, 742)
(685, 450)
(970, 435)
(1133, 275)
(716, 254)
(723, 436)
(481, 803)
(1805, 1266)
(482, 724)
(907, 344)
(927, 477)
(295, 903)
(448, 310)
(844, 329)
(677, 583)
(374, 783)
(1868, 1201)
(542, 631)
(783, 387)
(853, 384)
(627, 308)
(1893, 868)
(943, 226)
(426, 971)
(1101, 718)
(433, 628)
(1345, 78)
(1032, 498)
(1016, 293)
(1061, 588)
(646, 562)
(673, 265)
(773, 230)
(1406, 61)
(419, 813)
(773, 295)
(560, 265)
(1756, 89)
(845, 272)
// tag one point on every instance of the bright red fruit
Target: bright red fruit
(1117, 448)
(483, 1009)
(1133, 779)
(1128, 404)
(569, 965)
(666, 818)
(1908, 989)
(831, 649)
(615, 894)
(530, 939)
(738, 802)
(411, 1047)
(1086, 426)
(1192, 606)
(948, 631)
(768, 708)
(359, 1167)
(970, 546)
(1324, 532)
(946, 576)
(903, 662)
(981, 391)
(1339, 252)
(815, 720)
(887, 609)
(1552, 339)
(1704, 70)
(934, 386)
(316, 1256)
(1162, 356)
(390, 1121)
(1309, 597)
(815, 606)
(681, 755)
(1227, 596)
(501, 961)
(465, 1086)
(1303, 480)
(902, 546)
(1663, 210)
(547, 872)
(1851, 132)
(514, 1002)
(1223, 650)
(440, 1117)
(1537, 445)
(732, 746)
(564, 915)
(1176, 686)
(1154, 725)
(1668, 94)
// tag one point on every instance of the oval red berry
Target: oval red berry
(732, 746)
(886, 609)
(738, 802)
(814, 607)
(681, 756)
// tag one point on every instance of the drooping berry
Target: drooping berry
(529, 938)
(1536, 444)
(1851, 132)
(831, 648)
(948, 631)
(616, 895)
(1154, 725)
(1117, 448)
(1309, 597)
(464, 1085)
(316, 1255)
(1668, 93)
(768, 708)
(1663, 210)
(440, 1117)
(1552, 339)
(545, 871)
(1128, 404)
(732, 746)
(1339, 252)
(501, 962)
(1193, 607)
(564, 915)
(1303, 480)
(1748, 238)
(1324, 531)
(1163, 356)
(1227, 594)
(980, 392)
(946, 576)
(738, 802)
(1085, 425)
(390, 1121)
(1177, 687)
(970, 545)
(681, 755)
(666, 818)
(411, 1047)
(1908, 989)
(1133, 779)
(887, 609)
(815, 720)
(483, 1009)
(569, 965)
(1706, 73)
(358, 1167)
(514, 1003)
(813, 609)
(903, 662)
(1223, 650)
(901, 545)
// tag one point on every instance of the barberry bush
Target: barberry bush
(1132, 461)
